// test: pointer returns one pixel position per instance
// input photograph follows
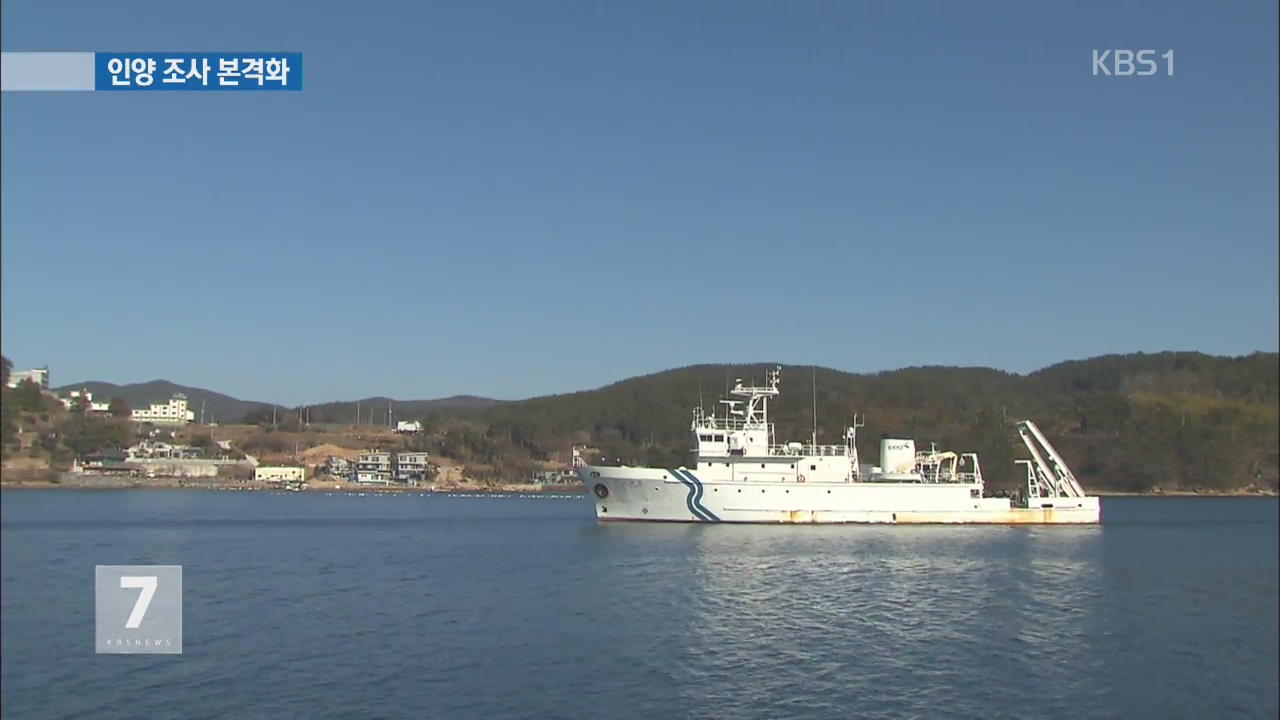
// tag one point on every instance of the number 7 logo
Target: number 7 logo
(147, 583)
(149, 622)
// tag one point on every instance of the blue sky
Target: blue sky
(513, 199)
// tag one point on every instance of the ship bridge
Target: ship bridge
(745, 430)
(740, 443)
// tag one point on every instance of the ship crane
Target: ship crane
(1047, 473)
(937, 466)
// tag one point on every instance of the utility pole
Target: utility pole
(357, 413)
(202, 412)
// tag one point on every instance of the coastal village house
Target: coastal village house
(555, 477)
(339, 467)
(152, 450)
(411, 467)
(374, 468)
(174, 412)
(107, 462)
(380, 467)
(86, 397)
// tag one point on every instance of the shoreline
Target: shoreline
(1185, 493)
(340, 487)
(107, 483)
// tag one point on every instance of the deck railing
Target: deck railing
(959, 478)
(710, 423)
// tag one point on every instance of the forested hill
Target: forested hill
(1124, 422)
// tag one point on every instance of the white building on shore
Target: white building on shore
(153, 450)
(409, 427)
(39, 376)
(279, 473)
(412, 467)
(374, 468)
(85, 397)
(381, 467)
(174, 412)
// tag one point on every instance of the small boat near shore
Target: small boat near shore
(741, 474)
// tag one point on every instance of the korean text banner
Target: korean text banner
(227, 71)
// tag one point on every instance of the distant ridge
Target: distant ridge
(226, 409)
(217, 407)
(1127, 422)
(345, 411)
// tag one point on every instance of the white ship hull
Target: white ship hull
(743, 475)
(679, 495)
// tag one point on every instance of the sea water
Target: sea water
(334, 605)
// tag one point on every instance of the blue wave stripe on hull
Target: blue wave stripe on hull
(694, 501)
(689, 498)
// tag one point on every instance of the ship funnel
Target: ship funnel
(897, 456)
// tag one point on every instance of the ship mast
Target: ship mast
(814, 439)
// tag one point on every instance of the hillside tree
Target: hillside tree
(28, 397)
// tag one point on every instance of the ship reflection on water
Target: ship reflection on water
(1134, 618)
(877, 620)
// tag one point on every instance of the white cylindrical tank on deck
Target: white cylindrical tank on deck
(897, 455)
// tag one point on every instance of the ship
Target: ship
(741, 475)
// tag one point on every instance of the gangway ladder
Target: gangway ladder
(1046, 478)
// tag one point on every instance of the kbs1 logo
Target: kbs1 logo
(1123, 63)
